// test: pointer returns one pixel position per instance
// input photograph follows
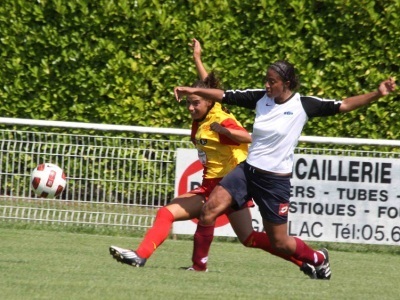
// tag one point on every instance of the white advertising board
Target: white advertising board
(333, 198)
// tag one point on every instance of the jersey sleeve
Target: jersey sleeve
(244, 98)
(318, 107)
(232, 124)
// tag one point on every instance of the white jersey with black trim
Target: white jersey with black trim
(277, 127)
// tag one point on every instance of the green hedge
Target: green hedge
(117, 61)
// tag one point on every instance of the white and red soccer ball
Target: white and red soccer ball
(48, 180)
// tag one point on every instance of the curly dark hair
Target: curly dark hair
(210, 82)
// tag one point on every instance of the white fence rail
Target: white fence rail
(117, 175)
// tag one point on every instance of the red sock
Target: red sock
(306, 254)
(157, 234)
(202, 242)
(260, 240)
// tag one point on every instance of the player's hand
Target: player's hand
(218, 128)
(180, 92)
(195, 45)
(387, 86)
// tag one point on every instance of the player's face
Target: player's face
(274, 85)
(197, 107)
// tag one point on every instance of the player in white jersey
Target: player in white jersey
(265, 175)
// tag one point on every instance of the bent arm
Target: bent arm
(238, 136)
(212, 94)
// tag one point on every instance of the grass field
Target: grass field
(40, 264)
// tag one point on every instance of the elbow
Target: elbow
(248, 140)
(345, 108)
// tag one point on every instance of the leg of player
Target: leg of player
(287, 245)
(184, 207)
(217, 203)
(241, 222)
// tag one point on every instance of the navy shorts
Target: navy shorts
(270, 192)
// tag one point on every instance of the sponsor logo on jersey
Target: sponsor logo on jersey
(203, 141)
(288, 113)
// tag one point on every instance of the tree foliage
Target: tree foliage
(117, 61)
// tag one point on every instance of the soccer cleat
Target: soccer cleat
(127, 256)
(309, 270)
(192, 269)
(324, 270)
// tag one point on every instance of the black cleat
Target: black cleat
(324, 270)
(127, 256)
(309, 270)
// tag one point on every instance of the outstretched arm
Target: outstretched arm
(352, 103)
(201, 70)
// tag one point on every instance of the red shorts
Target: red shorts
(206, 188)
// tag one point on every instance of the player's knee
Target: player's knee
(208, 214)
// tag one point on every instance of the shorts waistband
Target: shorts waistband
(260, 171)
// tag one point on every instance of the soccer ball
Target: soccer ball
(48, 180)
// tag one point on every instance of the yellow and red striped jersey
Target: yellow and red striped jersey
(218, 153)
